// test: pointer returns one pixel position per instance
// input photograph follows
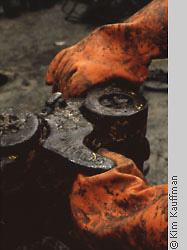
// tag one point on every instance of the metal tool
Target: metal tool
(72, 131)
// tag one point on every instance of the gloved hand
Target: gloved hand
(121, 50)
(119, 209)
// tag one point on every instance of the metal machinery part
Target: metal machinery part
(112, 118)
(19, 136)
(120, 119)
(67, 131)
(43, 153)
(19, 133)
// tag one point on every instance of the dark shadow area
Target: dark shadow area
(100, 12)
(3, 79)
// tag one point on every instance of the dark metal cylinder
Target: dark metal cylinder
(120, 120)
(19, 133)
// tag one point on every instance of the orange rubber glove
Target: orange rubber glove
(122, 50)
(119, 209)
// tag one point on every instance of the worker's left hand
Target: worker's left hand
(118, 209)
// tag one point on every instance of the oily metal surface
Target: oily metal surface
(119, 117)
(113, 101)
(17, 128)
(67, 130)
(107, 117)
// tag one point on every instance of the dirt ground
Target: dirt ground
(28, 44)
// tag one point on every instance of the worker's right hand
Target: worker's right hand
(107, 53)
(121, 50)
